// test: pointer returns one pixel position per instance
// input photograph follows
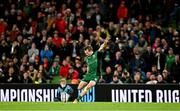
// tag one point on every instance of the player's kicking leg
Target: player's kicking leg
(85, 90)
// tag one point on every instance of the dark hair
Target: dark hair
(125, 72)
(89, 47)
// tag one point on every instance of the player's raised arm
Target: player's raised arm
(104, 45)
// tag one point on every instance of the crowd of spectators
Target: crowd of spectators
(41, 39)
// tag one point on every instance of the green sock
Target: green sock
(79, 97)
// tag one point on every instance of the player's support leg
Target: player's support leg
(85, 90)
(81, 85)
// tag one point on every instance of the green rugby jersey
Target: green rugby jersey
(92, 63)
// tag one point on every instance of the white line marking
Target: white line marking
(88, 110)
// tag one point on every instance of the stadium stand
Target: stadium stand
(42, 41)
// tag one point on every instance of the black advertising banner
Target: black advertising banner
(138, 93)
(99, 93)
(27, 92)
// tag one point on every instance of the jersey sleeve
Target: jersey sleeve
(96, 53)
(99, 66)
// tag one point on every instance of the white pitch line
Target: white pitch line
(87, 110)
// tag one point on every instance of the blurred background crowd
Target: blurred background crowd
(42, 41)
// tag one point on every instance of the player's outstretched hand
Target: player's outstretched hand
(107, 39)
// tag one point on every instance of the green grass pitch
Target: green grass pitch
(96, 106)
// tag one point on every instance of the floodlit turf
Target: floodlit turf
(98, 106)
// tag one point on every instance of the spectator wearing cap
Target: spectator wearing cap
(125, 77)
(175, 70)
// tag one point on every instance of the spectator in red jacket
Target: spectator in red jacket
(57, 41)
(64, 69)
(73, 75)
(122, 11)
(2, 26)
(61, 24)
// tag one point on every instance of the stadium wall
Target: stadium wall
(99, 93)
